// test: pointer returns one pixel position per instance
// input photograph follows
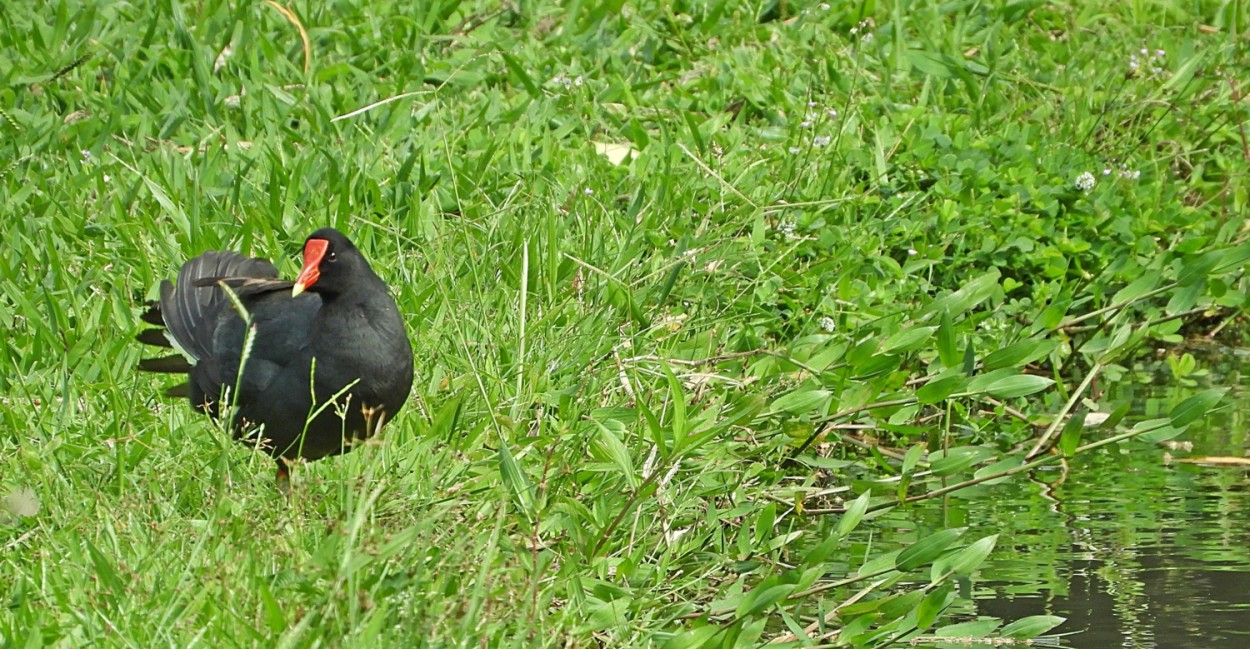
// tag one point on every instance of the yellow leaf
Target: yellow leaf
(614, 152)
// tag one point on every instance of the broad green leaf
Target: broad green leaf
(745, 409)
(879, 563)
(1031, 627)
(861, 352)
(518, 71)
(104, 570)
(876, 365)
(1150, 424)
(606, 615)
(1018, 354)
(907, 340)
(933, 605)
(1233, 259)
(942, 66)
(1053, 315)
(821, 552)
(931, 64)
(927, 549)
(1005, 464)
(1184, 298)
(1138, 287)
(274, 618)
(1185, 73)
(1018, 386)
(854, 514)
(444, 424)
(912, 458)
(759, 599)
(694, 638)
(677, 399)
(974, 629)
(971, 294)
(1018, 10)
(802, 401)
(980, 382)
(937, 390)
(948, 346)
(1196, 269)
(660, 435)
(1117, 416)
(516, 480)
(764, 522)
(1122, 339)
(967, 560)
(957, 459)
(612, 449)
(1195, 407)
(1071, 435)
(827, 355)
(902, 605)
(1156, 430)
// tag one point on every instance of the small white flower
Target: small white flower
(912, 251)
(787, 228)
(824, 6)
(1144, 51)
(86, 155)
(1125, 172)
(831, 113)
(821, 140)
(588, 191)
(795, 149)
(811, 104)
(827, 324)
(1085, 182)
(107, 178)
(805, 124)
(1160, 54)
(866, 39)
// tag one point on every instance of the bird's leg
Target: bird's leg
(283, 479)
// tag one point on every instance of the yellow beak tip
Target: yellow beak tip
(296, 290)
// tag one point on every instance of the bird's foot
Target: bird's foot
(283, 478)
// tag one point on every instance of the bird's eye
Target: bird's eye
(331, 257)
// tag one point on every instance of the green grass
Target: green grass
(632, 380)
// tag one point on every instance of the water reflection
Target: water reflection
(1134, 551)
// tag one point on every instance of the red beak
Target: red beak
(314, 251)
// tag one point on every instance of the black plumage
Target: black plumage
(325, 360)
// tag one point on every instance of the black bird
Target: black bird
(325, 359)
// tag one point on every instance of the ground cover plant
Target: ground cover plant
(698, 289)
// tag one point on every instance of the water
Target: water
(1133, 550)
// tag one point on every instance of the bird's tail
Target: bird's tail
(184, 311)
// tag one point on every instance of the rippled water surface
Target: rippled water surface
(1134, 548)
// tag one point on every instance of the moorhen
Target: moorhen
(336, 327)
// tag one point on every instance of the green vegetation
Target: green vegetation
(680, 278)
